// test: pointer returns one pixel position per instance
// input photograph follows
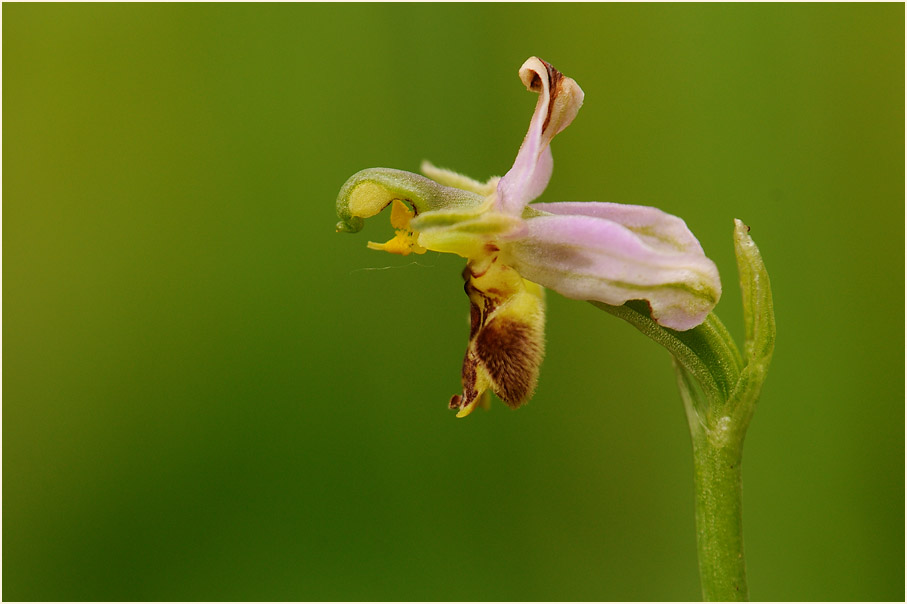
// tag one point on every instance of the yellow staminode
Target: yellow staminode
(404, 241)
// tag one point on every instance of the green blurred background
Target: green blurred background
(211, 395)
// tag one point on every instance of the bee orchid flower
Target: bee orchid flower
(596, 251)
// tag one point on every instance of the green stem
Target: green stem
(717, 481)
(719, 519)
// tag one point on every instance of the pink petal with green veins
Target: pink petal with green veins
(656, 227)
(586, 257)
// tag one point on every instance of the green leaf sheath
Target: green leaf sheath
(706, 351)
(758, 322)
(719, 388)
(758, 310)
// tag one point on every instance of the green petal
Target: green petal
(465, 233)
(450, 178)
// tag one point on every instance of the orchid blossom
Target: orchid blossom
(603, 252)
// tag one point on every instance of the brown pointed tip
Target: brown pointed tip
(455, 401)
